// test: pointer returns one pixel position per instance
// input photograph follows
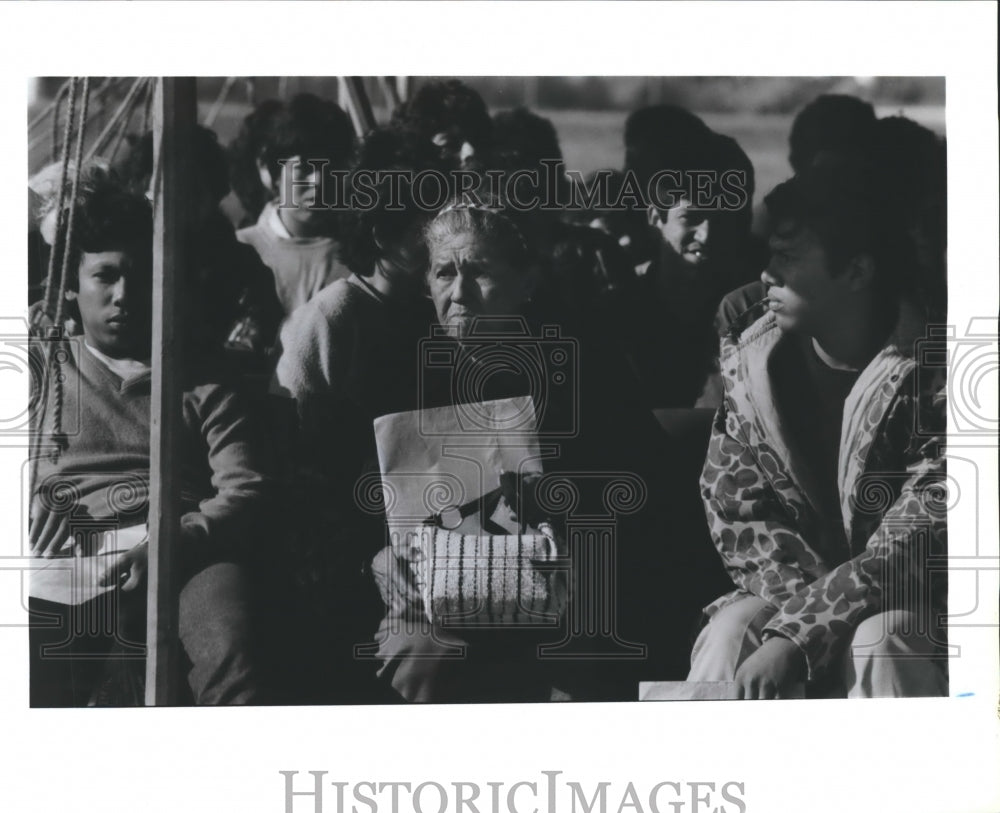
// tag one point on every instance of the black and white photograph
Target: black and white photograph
(459, 411)
(454, 416)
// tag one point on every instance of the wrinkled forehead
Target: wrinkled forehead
(445, 241)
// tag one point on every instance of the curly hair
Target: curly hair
(209, 163)
(387, 149)
(442, 106)
(107, 217)
(307, 126)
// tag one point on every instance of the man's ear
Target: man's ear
(653, 217)
(265, 175)
(861, 273)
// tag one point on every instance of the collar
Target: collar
(126, 369)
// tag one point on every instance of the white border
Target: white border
(906, 755)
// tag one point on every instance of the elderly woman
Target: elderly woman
(481, 276)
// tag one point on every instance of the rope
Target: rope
(60, 215)
(42, 115)
(57, 357)
(56, 104)
(67, 243)
(51, 360)
(220, 100)
(116, 119)
(126, 121)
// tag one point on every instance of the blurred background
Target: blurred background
(588, 111)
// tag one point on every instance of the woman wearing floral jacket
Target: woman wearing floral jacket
(824, 483)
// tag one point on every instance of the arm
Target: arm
(238, 456)
(757, 538)
(893, 564)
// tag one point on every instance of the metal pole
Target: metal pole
(174, 116)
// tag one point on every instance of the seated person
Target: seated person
(585, 270)
(482, 269)
(94, 430)
(237, 311)
(699, 220)
(348, 356)
(824, 399)
(298, 147)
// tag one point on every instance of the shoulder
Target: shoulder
(738, 302)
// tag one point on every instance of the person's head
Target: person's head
(913, 161)
(522, 140)
(480, 264)
(386, 238)
(288, 139)
(828, 257)
(662, 137)
(453, 117)
(701, 212)
(831, 125)
(210, 176)
(110, 265)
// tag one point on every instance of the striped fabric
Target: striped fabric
(485, 580)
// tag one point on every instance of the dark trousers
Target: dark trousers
(72, 648)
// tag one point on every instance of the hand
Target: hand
(131, 562)
(49, 533)
(770, 671)
(520, 496)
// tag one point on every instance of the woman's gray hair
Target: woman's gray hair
(493, 223)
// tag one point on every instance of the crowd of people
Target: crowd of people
(306, 320)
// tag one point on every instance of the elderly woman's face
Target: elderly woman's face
(469, 278)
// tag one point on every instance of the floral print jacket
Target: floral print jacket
(891, 479)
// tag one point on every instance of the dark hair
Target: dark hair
(307, 126)
(664, 137)
(913, 161)
(244, 151)
(443, 106)
(521, 141)
(849, 205)
(386, 148)
(832, 123)
(210, 163)
(108, 217)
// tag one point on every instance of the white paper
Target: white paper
(74, 579)
(435, 459)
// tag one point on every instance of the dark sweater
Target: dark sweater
(226, 494)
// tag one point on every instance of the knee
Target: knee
(215, 608)
(891, 632)
(732, 632)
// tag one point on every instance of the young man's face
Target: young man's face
(298, 186)
(115, 301)
(686, 233)
(804, 293)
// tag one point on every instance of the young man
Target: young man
(295, 235)
(94, 472)
(824, 479)
(700, 186)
